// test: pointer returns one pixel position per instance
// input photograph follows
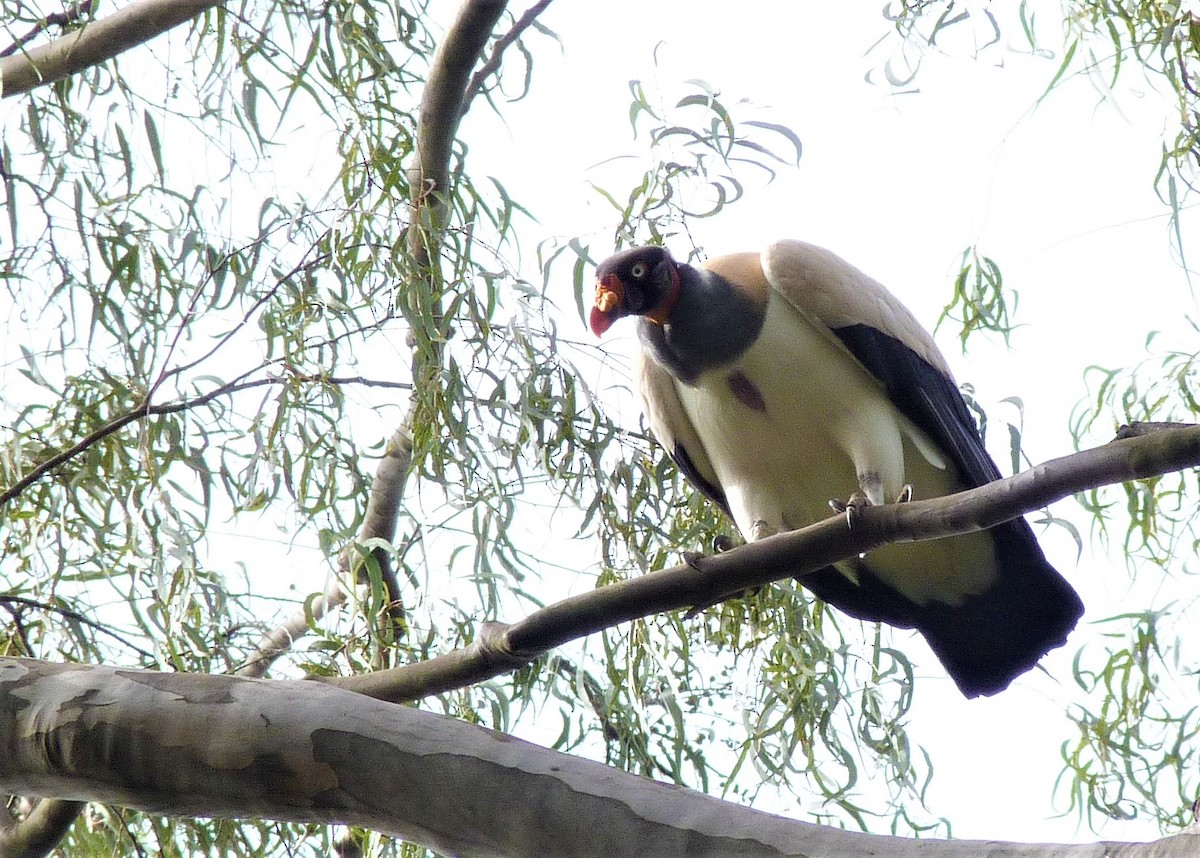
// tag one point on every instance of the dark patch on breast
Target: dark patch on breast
(744, 389)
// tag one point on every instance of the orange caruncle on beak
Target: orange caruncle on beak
(609, 295)
(610, 292)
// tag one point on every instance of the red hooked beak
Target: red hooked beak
(610, 292)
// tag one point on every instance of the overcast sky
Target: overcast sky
(1060, 194)
(899, 184)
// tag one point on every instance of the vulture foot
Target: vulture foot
(857, 501)
(721, 543)
(860, 500)
(761, 530)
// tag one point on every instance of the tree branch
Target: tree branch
(41, 829)
(95, 43)
(21, 71)
(140, 413)
(220, 746)
(379, 522)
(118, 423)
(497, 55)
(9, 600)
(55, 19)
(501, 648)
(442, 106)
(441, 111)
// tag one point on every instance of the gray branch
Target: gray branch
(501, 648)
(95, 43)
(442, 106)
(40, 831)
(492, 66)
(441, 111)
(379, 522)
(221, 746)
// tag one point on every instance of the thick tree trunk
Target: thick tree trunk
(198, 745)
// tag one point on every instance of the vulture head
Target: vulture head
(643, 281)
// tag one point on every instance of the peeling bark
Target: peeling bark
(202, 745)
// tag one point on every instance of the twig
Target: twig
(116, 424)
(142, 412)
(54, 19)
(76, 617)
(492, 65)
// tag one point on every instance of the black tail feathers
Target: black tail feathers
(992, 637)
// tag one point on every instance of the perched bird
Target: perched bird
(779, 381)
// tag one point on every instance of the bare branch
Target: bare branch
(1132, 430)
(95, 43)
(41, 830)
(502, 44)
(501, 648)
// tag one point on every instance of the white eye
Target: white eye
(638, 270)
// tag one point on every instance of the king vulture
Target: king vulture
(779, 381)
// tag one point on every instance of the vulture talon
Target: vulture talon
(841, 507)
(721, 543)
(850, 507)
(906, 493)
(761, 530)
(858, 501)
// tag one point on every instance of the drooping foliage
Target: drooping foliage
(215, 318)
(1135, 752)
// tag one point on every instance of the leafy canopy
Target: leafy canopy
(217, 316)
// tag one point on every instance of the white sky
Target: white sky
(1060, 196)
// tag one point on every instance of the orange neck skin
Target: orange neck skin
(662, 312)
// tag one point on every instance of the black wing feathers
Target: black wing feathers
(996, 635)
